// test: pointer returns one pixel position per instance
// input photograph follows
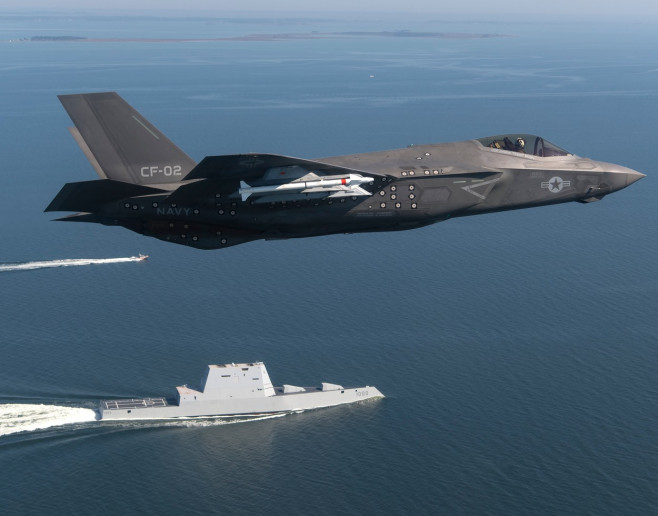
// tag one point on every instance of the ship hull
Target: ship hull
(160, 408)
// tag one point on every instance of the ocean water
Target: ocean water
(517, 351)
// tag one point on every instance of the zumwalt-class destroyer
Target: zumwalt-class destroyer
(235, 390)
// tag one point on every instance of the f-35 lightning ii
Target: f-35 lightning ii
(150, 186)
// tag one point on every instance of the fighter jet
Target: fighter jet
(150, 186)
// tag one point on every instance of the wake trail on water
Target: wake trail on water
(16, 418)
(73, 262)
(22, 417)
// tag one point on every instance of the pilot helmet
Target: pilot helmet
(520, 142)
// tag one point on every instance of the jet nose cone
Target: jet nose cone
(625, 177)
(632, 176)
(619, 177)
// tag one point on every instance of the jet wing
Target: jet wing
(255, 166)
(224, 175)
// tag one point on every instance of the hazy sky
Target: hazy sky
(622, 8)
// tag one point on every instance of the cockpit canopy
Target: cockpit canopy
(523, 143)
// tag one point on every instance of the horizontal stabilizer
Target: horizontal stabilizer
(88, 196)
(80, 217)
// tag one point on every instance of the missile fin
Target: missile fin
(245, 190)
(352, 191)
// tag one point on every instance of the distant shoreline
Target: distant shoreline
(275, 37)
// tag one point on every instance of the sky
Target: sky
(627, 8)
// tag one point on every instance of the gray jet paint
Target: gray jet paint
(152, 187)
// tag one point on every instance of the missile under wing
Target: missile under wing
(150, 186)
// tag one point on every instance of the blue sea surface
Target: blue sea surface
(517, 351)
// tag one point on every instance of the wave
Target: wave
(22, 417)
(16, 418)
(74, 262)
(190, 422)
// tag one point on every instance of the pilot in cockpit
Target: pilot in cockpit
(507, 144)
(519, 146)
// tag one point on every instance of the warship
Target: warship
(235, 390)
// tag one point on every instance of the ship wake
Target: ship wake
(73, 262)
(15, 418)
(24, 418)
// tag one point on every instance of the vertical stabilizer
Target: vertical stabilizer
(121, 144)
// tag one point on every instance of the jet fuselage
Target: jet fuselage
(228, 200)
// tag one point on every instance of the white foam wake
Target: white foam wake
(16, 418)
(75, 262)
(192, 422)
